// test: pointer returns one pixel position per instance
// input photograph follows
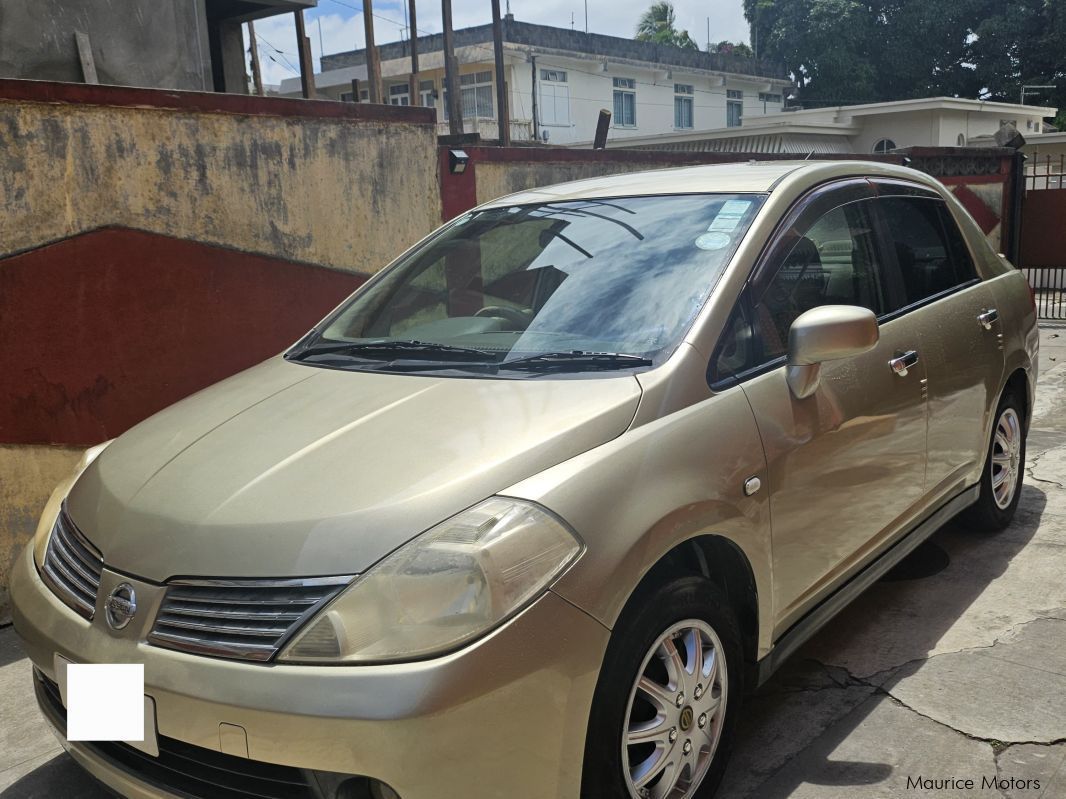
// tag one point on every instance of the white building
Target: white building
(650, 89)
(870, 128)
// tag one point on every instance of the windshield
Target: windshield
(564, 286)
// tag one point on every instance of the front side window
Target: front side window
(836, 262)
(563, 282)
(931, 253)
(625, 102)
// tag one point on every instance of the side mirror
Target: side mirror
(826, 333)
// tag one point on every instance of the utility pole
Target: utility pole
(536, 125)
(502, 113)
(307, 66)
(257, 75)
(373, 65)
(451, 72)
(416, 98)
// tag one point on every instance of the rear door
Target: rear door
(952, 312)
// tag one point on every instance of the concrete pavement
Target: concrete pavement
(952, 669)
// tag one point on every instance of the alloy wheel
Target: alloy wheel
(673, 721)
(1006, 457)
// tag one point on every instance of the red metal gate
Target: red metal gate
(1043, 239)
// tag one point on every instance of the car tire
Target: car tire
(1005, 457)
(703, 721)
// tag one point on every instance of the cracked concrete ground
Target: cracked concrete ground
(960, 674)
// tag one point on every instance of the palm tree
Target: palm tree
(657, 25)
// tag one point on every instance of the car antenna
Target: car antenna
(808, 158)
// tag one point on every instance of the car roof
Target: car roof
(744, 177)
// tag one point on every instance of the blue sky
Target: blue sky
(341, 23)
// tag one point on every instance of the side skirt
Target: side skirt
(806, 627)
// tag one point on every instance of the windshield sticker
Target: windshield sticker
(729, 216)
(714, 240)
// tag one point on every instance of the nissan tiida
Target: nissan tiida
(529, 512)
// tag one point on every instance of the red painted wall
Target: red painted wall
(103, 329)
(1043, 220)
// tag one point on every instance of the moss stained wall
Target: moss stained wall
(342, 193)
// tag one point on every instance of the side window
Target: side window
(834, 263)
(929, 249)
(960, 252)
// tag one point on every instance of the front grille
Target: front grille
(187, 770)
(246, 619)
(72, 567)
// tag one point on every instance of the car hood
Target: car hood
(288, 470)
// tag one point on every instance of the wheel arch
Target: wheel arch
(1018, 383)
(722, 562)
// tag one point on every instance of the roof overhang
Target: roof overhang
(843, 112)
(245, 10)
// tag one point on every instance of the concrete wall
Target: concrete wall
(37, 41)
(153, 243)
(308, 188)
(27, 477)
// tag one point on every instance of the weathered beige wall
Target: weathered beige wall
(344, 193)
(495, 179)
(27, 477)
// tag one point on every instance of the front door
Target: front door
(846, 465)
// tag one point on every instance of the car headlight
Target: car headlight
(55, 501)
(450, 585)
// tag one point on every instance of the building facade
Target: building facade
(870, 128)
(558, 80)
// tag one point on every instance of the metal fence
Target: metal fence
(1046, 172)
(1049, 289)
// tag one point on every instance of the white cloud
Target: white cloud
(342, 24)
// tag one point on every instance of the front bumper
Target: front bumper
(504, 717)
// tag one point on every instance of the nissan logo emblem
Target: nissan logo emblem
(121, 606)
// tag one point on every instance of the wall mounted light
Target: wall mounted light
(457, 161)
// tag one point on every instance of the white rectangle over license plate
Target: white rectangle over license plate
(150, 744)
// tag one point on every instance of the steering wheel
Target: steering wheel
(512, 315)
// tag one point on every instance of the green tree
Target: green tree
(855, 51)
(1021, 42)
(727, 47)
(658, 24)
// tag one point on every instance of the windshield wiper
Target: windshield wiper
(391, 350)
(576, 360)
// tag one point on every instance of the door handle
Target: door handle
(901, 363)
(987, 318)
